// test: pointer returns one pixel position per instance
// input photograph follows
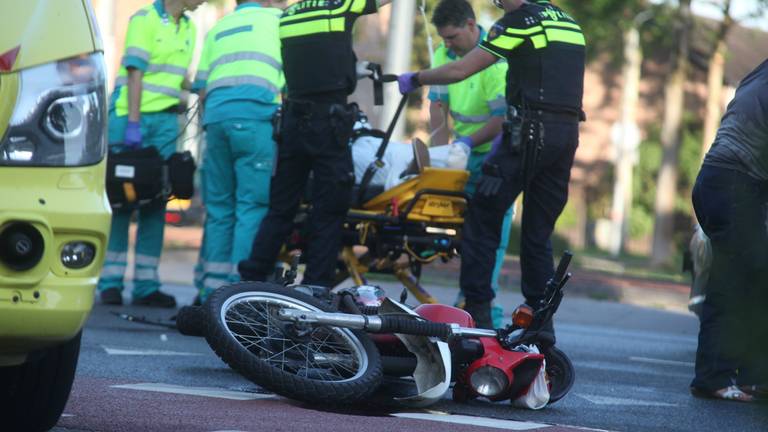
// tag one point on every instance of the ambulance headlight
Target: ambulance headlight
(77, 254)
(59, 117)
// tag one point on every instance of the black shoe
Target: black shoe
(156, 299)
(248, 271)
(481, 313)
(111, 296)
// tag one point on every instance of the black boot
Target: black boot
(111, 296)
(249, 271)
(481, 313)
(156, 299)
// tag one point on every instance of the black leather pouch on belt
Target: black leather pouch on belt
(343, 119)
(513, 130)
(277, 124)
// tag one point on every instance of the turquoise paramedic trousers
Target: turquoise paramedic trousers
(159, 130)
(238, 162)
(474, 166)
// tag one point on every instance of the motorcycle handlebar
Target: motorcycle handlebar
(562, 267)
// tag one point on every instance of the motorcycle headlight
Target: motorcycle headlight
(489, 381)
(59, 118)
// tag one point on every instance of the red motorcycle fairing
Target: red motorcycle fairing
(519, 367)
(445, 314)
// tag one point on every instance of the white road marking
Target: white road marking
(472, 421)
(67, 415)
(145, 352)
(195, 391)
(662, 362)
(607, 400)
(627, 367)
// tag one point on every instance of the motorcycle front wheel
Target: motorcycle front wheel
(317, 364)
(560, 373)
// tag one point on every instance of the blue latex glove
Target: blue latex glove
(132, 135)
(408, 82)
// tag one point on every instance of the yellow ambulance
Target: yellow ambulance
(54, 213)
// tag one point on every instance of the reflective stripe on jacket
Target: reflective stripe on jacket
(243, 48)
(473, 101)
(160, 48)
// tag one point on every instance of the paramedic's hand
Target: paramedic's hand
(408, 82)
(458, 153)
(132, 137)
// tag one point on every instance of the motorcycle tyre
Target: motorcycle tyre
(562, 382)
(282, 382)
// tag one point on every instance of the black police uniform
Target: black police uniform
(730, 199)
(545, 51)
(317, 122)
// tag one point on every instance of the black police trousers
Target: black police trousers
(544, 201)
(313, 138)
(733, 334)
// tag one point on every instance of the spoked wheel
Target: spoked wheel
(560, 373)
(320, 364)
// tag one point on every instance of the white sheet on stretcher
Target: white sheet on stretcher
(396, 160)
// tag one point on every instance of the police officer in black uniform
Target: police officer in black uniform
(320, 72)
(545, 50)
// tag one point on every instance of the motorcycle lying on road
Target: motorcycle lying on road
(338, 347)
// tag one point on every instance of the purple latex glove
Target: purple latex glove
(132, 136)
(408, 82)
(495, 146)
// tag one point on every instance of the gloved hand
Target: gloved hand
(362, 70)
(132, 135)
(495, 146)
(490, 181)
(408, 82)
(458, 153)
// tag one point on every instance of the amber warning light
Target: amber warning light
(522, 316)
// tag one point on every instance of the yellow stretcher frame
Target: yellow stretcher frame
(435, 199)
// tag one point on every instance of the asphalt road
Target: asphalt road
(633, 368)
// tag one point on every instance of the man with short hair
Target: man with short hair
(240, 80)
(476, 106)
(545, 52)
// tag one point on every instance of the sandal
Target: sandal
(730, 393)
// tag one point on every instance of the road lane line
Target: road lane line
(608, 400)
(194, 391)
(472, 421)
(662, 362)
(145, 352)
(629, 368)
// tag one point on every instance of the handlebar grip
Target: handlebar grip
(562, 266)
(388, 78)
(397, 324)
